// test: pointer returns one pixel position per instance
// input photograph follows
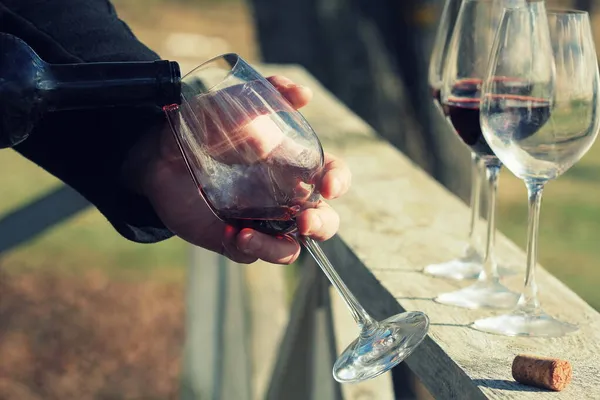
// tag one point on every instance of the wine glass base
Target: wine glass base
(458, 269)
(462, 269)
(481, 295)
(521, 324)
(390, 343)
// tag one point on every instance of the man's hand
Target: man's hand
(169, 187)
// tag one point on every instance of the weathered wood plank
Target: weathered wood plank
(216, 363)
(324, 348)
(292, 376)
(202, 366)
(396, 220)
(269, 314)
(235, 377)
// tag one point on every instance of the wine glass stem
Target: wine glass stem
(476, 169)
(362, 318)
(528, 302)
(490, 268)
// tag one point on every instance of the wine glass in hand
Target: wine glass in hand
(465, 69)
(258, 164)
(469, 265)
(539, 137)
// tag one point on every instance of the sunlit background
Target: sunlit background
(112, 311)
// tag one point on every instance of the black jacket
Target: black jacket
(86, 149)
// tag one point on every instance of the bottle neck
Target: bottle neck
(94, 85)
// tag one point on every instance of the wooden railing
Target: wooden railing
(245, 343)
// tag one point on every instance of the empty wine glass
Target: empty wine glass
(466, 63)
(540, 136)
(469, 265)
(257, 162)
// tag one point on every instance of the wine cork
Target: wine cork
(542, 372)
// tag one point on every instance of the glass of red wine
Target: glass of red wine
(540, 136)
(257, 163)
(469, 265)
(464, 70)
(440, 50)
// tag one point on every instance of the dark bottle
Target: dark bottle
(30, 87)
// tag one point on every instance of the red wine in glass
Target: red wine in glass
(463, 110)
(271, 221)
(266, 196)
(519, 117)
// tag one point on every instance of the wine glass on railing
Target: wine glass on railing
(540, 136)
(466, 63)
(469, 265)
(440, 50)
(256, 162)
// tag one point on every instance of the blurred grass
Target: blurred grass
(84, 242)
(569, 224)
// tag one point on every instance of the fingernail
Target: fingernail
(252, 245)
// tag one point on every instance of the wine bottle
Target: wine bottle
(30, 87)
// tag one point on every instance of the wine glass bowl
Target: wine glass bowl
(538, 137)
(254, 163)
(466, 66)
(258, 163)
(562, 121)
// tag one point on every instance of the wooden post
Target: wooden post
(324, 349)
(204, 318)
(216, 356)
(291, 378)
(269, 314)
(307, 351)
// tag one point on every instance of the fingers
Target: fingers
(297, 95)
(239, 125)
(336, 178)
(273, 249)
(230, 250)
(247, 245)
(319, 223)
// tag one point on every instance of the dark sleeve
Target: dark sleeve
(86, 149)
